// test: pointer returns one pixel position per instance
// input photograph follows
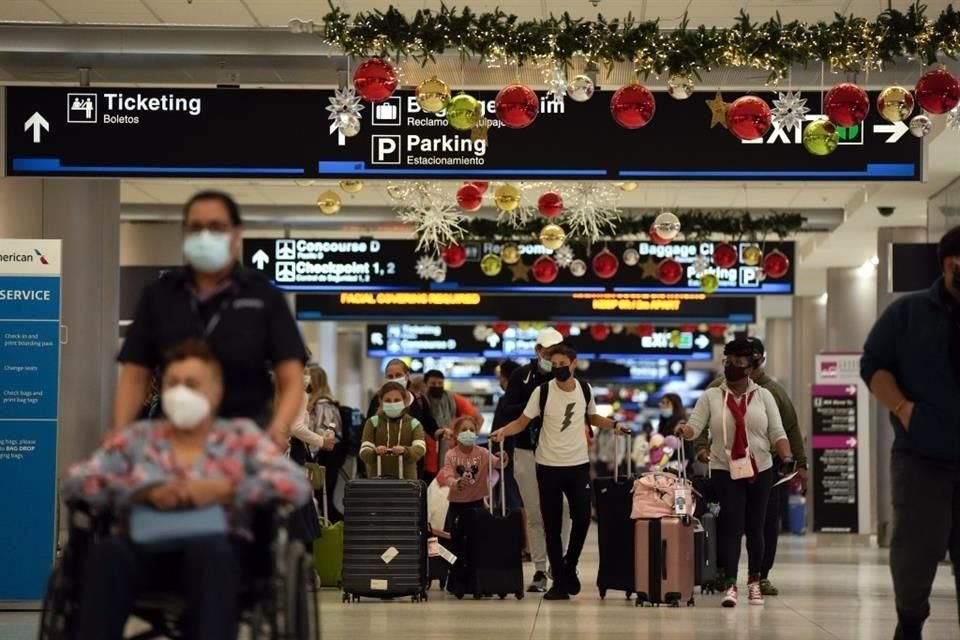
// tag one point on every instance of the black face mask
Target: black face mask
(435, 392)
(733, 373)
(562, 374)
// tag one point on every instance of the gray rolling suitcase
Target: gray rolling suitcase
(385, 539)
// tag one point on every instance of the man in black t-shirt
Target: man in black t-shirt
(245, 320)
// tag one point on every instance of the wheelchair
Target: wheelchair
(279, 603)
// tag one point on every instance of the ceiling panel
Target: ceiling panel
(202, 12)
(274, 13)
(103, 11)
(26, 11)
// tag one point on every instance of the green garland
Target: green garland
(695, 225)
(848, 42)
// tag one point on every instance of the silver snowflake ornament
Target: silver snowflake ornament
(429, 268)
(344, 102)
(953, 118)
(789, 110)
(563, 256)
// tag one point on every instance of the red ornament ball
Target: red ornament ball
(776, 264)
(717, 330)
(749, 118)
(545, 269)
(499, 328)
(517, 106)
(375, 80)
(938, 91)
(656, 238)
(550, 204)
(482, 185)
(469, 197)
(645, 330)
(605, 264)
(688, 328)
(725, 255)
(670, 272)
(846, 104)
(599, 332)
(563, 328)
(454, 256)
(633, 106)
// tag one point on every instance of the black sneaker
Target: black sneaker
(572, 581)
(556, 593)
(539, 583)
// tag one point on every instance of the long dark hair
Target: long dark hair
(667, 425)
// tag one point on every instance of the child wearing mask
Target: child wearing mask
(393, 436)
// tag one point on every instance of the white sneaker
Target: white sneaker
(730, 598)
(754, 593)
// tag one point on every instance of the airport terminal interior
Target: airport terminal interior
(431, 194)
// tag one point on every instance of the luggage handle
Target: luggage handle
(380, 466)
(629, 452)
(503, 488)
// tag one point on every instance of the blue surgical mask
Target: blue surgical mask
(667, 413)
(467, 438)
(394, 409)
(207, 251)
(546, 365)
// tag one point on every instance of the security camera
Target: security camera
(886, 212)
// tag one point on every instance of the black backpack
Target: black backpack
(537, 424)
(351, 425)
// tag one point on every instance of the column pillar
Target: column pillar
(883, 431)
(85, 214)
(851, 307)
(810, 316)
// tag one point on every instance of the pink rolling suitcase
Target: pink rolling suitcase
(664, 561)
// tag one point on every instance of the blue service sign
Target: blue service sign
(283, 134)
(29, 399)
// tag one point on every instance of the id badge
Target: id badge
(741, 467)
(680, 501)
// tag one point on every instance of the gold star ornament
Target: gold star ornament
(718, 111)
(519, 271)
(648, 269)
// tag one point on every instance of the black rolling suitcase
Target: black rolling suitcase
(385, 539)
(615, 530)
(705, 552)
(491, 552)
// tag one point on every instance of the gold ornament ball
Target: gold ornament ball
(463, 112)
(351, 186)
(895, 104)
(433, 95)
(752, 255)
(627, 187)
(491, 264)
(553, 236)
(709, 283)
(329, 202)
(507, 197)
(510, 253)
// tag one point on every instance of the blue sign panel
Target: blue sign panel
(29, 380)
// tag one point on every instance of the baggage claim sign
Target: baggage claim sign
(285, 134)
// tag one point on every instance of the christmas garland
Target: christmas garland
(695, 225)
(848, 42)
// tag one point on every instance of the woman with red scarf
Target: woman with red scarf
(745, 425)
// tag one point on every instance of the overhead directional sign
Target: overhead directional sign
(244, 133)
(366, 264)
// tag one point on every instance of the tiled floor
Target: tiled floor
(831, 591)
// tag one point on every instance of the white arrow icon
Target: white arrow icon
(260, 258)
(896, 130)
(702, 341)
(37, 122)
(852, 442)
(341, 139)
(851, 390)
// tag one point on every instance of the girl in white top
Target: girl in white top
(745, 424)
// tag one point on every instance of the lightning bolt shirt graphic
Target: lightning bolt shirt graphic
(568, 414)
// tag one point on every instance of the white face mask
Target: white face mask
(306, 380)
(207, 251)
(184, 407)
(402, 381)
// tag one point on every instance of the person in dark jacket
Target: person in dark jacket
(673, 414)
(514, 502)
(911, 362)
(417, 407)
(521, 386)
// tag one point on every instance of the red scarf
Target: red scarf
(739, 411)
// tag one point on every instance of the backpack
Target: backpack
(544, 392)
(351, 429)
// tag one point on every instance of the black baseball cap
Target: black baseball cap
(745, 347)
(949, 246)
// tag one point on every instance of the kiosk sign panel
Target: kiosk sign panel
(29, 399)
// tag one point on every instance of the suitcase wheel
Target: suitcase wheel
(691, 602)
(346, 597)
(603, 594)
(458, 595)
(502, 596)
(477, 596)
(424, 597)
(519, 595)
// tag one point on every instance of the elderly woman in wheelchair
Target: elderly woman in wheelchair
(183, 492)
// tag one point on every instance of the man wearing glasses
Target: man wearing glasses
(245, 320)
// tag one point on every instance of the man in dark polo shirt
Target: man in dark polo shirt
(242, 316)
(911, 361)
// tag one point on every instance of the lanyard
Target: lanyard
(208, 329)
